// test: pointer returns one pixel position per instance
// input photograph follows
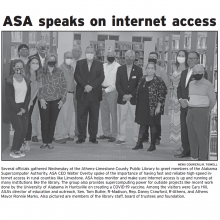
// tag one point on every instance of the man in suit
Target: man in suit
(127, 79)
(183, 95)
(77, 52)
(41, 47)
(89, 75)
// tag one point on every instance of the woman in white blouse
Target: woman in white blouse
(17, 94)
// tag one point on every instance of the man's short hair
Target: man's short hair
(130, 51)
(153, 53)
(197, 54)
(67, 53)
(198, 68)
(112, 52)
(41, 43)
(91, 47)
(76, 47)
(21, 46)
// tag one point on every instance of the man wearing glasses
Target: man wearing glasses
(182, 95)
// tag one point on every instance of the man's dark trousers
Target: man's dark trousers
(85, 108)
(184, 130)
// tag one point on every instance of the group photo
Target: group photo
(109, 96)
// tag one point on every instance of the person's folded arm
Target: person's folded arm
(162, 91)
(10, 98)
(118, 84)
(212, 96)
(63, 88)
(99, 80)
(27, 99)
(139, 75)
(179, 89)
(78, 78)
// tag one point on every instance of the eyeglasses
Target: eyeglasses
(192, 58)
(153, 57)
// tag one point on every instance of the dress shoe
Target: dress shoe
(193, 158)
(151, 148)
(34, 139)
(157, 142)
(94, 141)
(138, 146)
(118, 142)
(182, 155)
(79, 141)
(50, 146)
(102, 137)
(43, 146)
(69, 139)
(180, 150)
(60, 141)
(111, 139)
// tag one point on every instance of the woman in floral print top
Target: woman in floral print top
(151, 94)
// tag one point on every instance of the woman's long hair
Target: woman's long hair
(186, 58)
(38, 72)
(49, 55)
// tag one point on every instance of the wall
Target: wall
(65, 43)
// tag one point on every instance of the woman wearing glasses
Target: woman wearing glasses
(151, 94)
(51, 96)
(17, 94)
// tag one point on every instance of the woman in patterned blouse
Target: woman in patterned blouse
(151, 94)
(51, 96)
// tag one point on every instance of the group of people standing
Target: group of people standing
(89, 85)
(193, 99)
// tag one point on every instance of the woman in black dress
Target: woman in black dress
(151, 94)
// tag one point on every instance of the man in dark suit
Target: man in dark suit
(41, 47)
(89, 75)
(183, 95)
(127, 79)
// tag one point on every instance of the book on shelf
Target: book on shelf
(201, 42)
(137, 46)
(202, 59)
(175, 44)
(187, 42)
(173, 56)
(167, 45)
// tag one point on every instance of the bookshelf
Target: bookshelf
(202, 42)
(120, 47)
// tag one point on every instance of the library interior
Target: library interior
(166, 44)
